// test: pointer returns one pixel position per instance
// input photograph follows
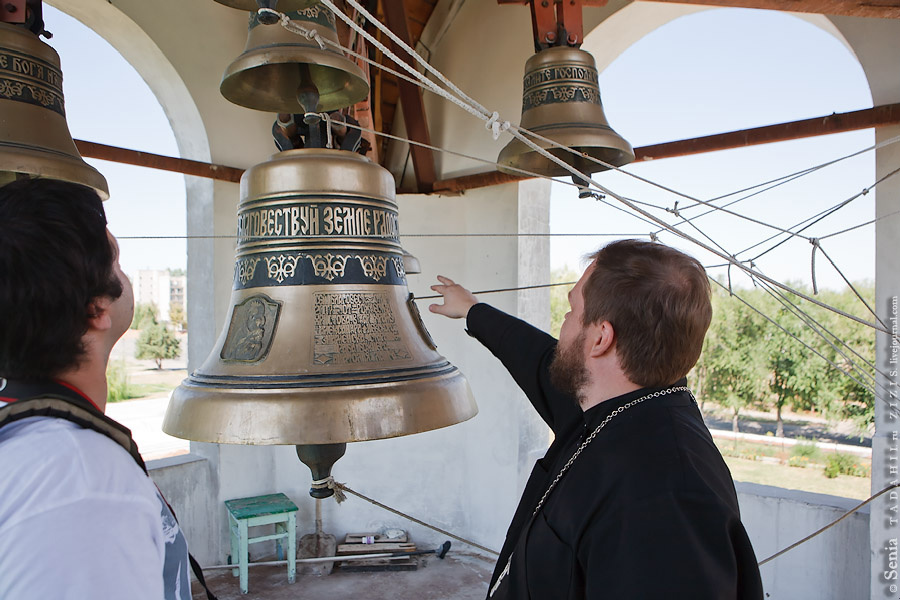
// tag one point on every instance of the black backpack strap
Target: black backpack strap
(50, 399)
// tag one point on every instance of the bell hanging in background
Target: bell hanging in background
(284, 72)
(561, 102)
(323, 343)
(34, 135)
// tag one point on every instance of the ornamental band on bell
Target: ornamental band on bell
(32, 81)
(560, 83)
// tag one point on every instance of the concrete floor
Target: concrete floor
(457, 577)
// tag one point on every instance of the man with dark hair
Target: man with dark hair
(632, 500)
(79, 518)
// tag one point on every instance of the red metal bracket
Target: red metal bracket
(568, 15)
(12, 11)
(556, 22)
(543, 23)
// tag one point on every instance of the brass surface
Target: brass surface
(268, 75)
(322, 344)
(34, 135)
(561, 102)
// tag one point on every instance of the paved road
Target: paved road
(811, 430)
(144, 418)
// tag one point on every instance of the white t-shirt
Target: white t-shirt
(79, 519)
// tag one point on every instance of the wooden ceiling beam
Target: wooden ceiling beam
(876, 9)
(412, 102)
(880, 116)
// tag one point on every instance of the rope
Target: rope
(835, 209)
(480, 112)
(812, 266)
(340, 487)
(853, 288)
(830, 525)
(492, 118)
(807, 346)
(819, 328)
(513, 289)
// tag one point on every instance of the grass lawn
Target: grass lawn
(809, 479)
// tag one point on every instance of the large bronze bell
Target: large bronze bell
(34, 136)
(561, 102)
(323, 343)
(278, 66)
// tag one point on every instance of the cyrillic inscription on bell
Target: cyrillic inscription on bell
(561, 102)
(34, 135)
(279, 66)
(323, 344)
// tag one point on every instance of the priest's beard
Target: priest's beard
(567, 371)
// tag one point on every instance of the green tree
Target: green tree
(177, 317)
(559, 301)
(732, 366)
(144, 315)
(843, 397)
(157, 342)
(793, 369)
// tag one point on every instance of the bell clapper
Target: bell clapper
(320, 458)
(584, 189)
(266, 13)
(308, 95)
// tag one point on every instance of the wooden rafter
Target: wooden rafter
(413, 104)
(877, 9)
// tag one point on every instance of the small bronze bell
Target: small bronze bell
(279, 67)
(561, 102)
(34, 135)
(323, 343)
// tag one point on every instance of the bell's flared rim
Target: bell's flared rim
(251, 415)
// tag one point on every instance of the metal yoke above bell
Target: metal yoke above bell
(561, 102)
(323, 343)
(34, 135)
(278, 64)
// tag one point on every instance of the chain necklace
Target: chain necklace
(578, 452)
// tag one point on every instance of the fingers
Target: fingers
(457, 300)
(445, 282)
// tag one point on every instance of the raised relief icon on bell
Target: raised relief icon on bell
(252, 326)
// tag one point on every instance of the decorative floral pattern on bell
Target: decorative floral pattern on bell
(312, 268)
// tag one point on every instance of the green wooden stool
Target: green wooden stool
(244, 513)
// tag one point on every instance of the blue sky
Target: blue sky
(723, 70)
(710, 72)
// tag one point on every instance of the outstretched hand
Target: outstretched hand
(457, 299)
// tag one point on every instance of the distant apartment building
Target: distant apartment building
(161, 288)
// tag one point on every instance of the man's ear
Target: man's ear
(98, 313)
(602, 338)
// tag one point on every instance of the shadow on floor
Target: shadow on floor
(457, 577)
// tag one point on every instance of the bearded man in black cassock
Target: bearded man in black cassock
(632, 500)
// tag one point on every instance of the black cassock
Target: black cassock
(647, 511)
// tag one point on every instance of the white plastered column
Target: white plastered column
(876, 43)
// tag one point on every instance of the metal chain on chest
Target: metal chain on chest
(594, 433)
(568, 464)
